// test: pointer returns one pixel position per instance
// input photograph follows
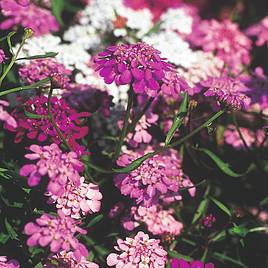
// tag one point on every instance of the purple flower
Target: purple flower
(58, 232)
(227, 90)
(28, 16)
(4, 263)
(5, 116)
(139, 64)
(2, 56)
(181, 263)
(209, 220)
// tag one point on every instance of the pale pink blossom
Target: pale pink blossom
(5, 116)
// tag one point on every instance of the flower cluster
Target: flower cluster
(2, 56)
(181, 263)
(29, 16)
(140, 251)
(40, 126)
(159, 177)
(5, 116)
(4, 263)
(57, 232)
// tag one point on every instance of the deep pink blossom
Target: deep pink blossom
(138, 252)
(261, 31)
(78, 200)
(116, 210)
(4, 263)
(159, 221)
(158, 178)
(2, 56)
(68, 260)
(227, 90)
(61, 168)
(28, 16)
(209, 221)
(58, 232)
(181, 263)
(5, 116)
(139, 64)
(225, 39)
(40, 69)
(41, 129)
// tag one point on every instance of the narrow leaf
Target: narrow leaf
(221, 206)
(57, 9)
(95, 220)
(12, 233)
(223, 257)
(201, 210)
(33, 116)
(175, 254)
(42, 56)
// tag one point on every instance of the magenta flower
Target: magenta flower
(4, 263)
(76, 200)
(209, 220)
(58, 232)
(40, 69)
(139, 64)
(158, 178)
(5, 116)
(227, 90)
(158, 220)
(181, 263)
(67, 119)
(61, 168)
(138, 252)
(225, 39)
(261, 31)
(2, 56)
(28, 16)
(67, 259)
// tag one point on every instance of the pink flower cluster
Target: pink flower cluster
(5, 116)
(58, 232)
(158, 220)
(138, 252)
(61, 168)
(227, 90)
(4, 263)
(76, 200)
(138, 63)
(232, 137)
(67, 259)
(159, 177)
(40, 69)
(2, 56)
(28, 16)
(225, 39)
(181, 263)
(261, 31)
(66, 118)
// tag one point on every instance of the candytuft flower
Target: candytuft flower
(139, 64)
(5, 116)
(181, 263)
(4, 263)
(2, 56)
(138, 252)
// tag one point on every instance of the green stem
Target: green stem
(32, 86)
(124, 129)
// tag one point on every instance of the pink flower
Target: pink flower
(261, 31)
(159, 177)
(228, 90)
(61, 168)
(58, 232)
(158, 220)
(76, 200)
(4, 263)
(139, 64)
(28, 16)
(2, 56)
(225, 39)
(138, 252)
(181, 263)
(67, 119)
(5, 116)
(116, 210)
(209, 220)
(42, 68)
(67, 259)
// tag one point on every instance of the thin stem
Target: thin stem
(52, 120)
(124, 129)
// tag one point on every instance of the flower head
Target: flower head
(139, 64)
(181, 263)
(209, 220)
(2, 56)
(138, 252)
(5, 116)
(58, 232)
(4, 263)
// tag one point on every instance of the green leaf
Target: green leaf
(3, 238)
(239, 230)
(222, 257)
(34, 116)
(257, 229)
(9, 42)
(221, 206)
(12, 233)
(57, 9)
(220, 236)
(177, 122)
(95, 220)
(264, 201)
(39, 265)
(201, 210)
(175, 254)
(224, 167)
(42, 56)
